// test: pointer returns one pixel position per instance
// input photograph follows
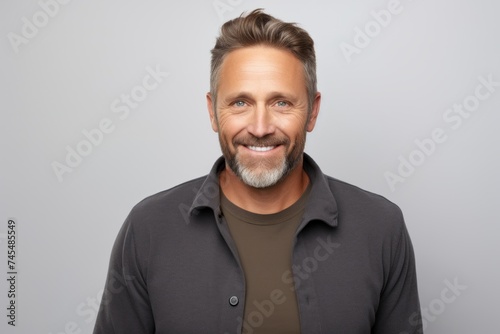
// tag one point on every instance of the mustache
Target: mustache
(262, 142)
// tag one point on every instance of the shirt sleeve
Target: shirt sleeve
(125, 306)
(399, 306)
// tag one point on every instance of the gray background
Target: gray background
(396, 90)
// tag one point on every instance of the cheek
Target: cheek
(230, 126)
(294, 127)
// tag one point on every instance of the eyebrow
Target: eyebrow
(248, 96)
(239, 95)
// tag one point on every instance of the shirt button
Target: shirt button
(233, 301)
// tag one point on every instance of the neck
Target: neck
(264, 200)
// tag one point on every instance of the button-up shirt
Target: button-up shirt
(174, 266)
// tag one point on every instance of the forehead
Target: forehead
(261, 64)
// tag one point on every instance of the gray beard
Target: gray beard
(264, 178)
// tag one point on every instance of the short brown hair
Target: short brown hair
(259, 28)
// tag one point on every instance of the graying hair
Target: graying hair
(259, 28)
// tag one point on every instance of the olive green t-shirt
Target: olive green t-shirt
(264, 243)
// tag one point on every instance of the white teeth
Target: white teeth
(261, 148)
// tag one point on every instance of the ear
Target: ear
(211, 112)
(313, 116)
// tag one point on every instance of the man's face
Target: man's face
(261, 114)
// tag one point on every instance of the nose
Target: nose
(261, 122)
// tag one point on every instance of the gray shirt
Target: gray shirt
(174, 267)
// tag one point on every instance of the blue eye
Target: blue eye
(239, 104)
(282, 104)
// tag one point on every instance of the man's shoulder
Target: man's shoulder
(347, 198)
(179, 195)
(352, 198)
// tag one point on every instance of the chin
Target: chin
(262, 177)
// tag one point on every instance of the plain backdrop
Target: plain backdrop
(66, 69)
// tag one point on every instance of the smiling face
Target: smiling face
(262, 114)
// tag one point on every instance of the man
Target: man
(265, 243)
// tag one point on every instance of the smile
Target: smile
(261, 148)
